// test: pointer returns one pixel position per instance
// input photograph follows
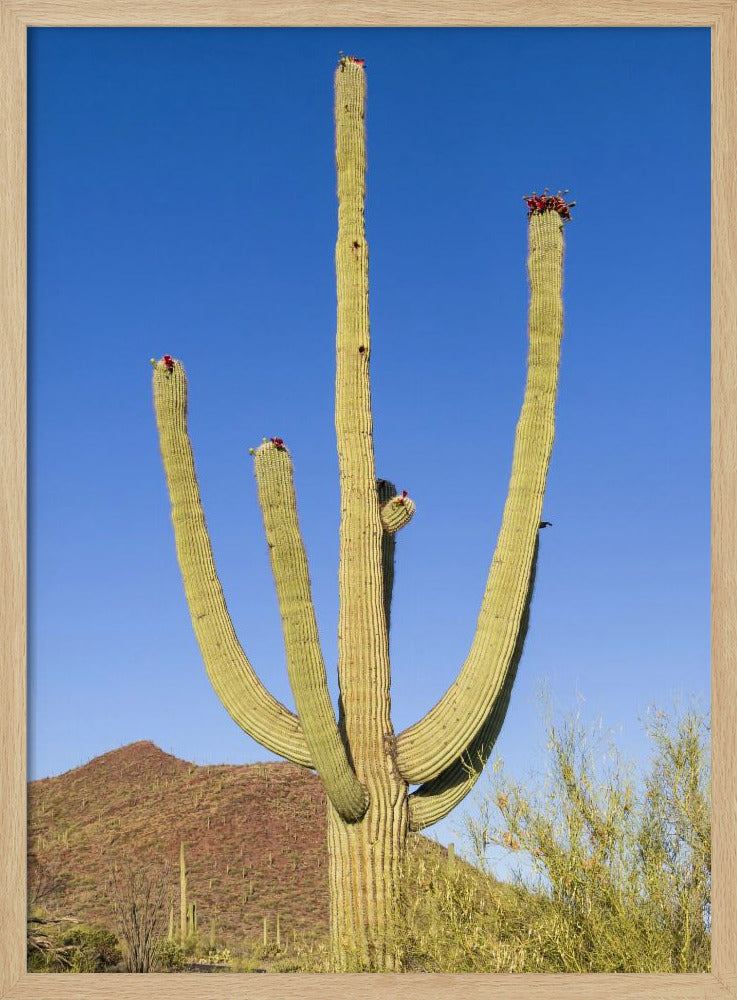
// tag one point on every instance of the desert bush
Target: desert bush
(312, 954)
(95, 949)
(612, 871)
(219, 956)
(138, 900)
(192, 946)
(44, 881)
(57, 942)
(72, 947)
(459, 919)
(169, 955)
(245, 963)
(211, 957)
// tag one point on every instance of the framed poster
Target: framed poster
(227, 373)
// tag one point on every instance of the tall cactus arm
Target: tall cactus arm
(363, 648)
(433, 801)
(241, 692)
(274, 477)
(430, 745)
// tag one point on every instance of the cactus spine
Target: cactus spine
(366, 769)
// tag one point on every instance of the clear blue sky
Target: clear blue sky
(182, 201)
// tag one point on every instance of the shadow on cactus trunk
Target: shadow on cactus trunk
(366, 768)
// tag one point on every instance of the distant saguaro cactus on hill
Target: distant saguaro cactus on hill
(365, 767)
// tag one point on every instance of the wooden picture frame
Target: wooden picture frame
(18, 15)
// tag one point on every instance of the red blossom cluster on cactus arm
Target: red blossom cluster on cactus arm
(545, 202)
(168, 362)
(278, 443)
(355, 60)
(400, 500)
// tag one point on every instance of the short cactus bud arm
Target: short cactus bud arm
(433, 801)
(427, 748)
(396, 512)
(274, 476)
(241, 692)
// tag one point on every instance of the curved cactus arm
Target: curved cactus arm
(433, 801)
(274, 477)
(432, 744)
(246, 699)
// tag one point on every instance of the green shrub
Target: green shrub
(75, 948)
(96, 949)
(219, 956)
(170, 955)
(613, 873)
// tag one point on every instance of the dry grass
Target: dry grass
(613, 871)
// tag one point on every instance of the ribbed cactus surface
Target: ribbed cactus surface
(367, 769)
(305, 664)
(427, 748)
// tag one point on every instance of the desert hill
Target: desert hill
(254, 838)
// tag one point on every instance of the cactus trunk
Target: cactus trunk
(367, 769)
(363, 872)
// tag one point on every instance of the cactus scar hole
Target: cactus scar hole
(361, 349)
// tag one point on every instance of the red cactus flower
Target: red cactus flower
(539, 203)
(168, 362)
(404, 494)
(278, 443)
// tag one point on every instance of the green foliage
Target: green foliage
(76, 948)
(313, 955)
(219, 956)
(457, 919)
(613, 873)
(191, 947)
(96, 949)
(170, 955)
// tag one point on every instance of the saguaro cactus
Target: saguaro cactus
(182, 895)
(365, 767)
